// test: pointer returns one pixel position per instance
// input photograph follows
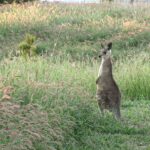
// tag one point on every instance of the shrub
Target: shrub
(29, 48)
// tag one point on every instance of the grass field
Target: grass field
(48, 102)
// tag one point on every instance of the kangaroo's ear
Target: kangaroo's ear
(109, 45)
(102, 45)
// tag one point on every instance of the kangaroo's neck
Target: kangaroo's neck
(105, 69)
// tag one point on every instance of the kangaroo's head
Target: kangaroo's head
(106, 51)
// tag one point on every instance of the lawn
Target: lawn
(48, 102)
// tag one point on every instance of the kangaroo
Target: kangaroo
(108, 94)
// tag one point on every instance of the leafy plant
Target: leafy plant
(29, 47)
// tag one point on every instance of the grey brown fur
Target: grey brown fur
(108, 93)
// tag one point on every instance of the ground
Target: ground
(48, 101)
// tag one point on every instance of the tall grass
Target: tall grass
(66, 91)
(133, 74)
(51, 78)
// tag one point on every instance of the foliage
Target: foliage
(28, 48)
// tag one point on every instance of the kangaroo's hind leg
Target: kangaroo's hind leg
(100, 104)
(116, 112)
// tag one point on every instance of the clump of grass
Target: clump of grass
(133, 74)
(29, 47)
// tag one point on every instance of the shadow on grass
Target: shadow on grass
(89, 119)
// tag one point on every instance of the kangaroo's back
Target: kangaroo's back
(108, 93)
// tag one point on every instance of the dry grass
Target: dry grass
(71, 29)
(27, 127)
(25, 15)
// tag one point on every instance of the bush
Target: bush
(28, 48)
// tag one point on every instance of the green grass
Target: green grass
(66, 91)
(51, 103)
